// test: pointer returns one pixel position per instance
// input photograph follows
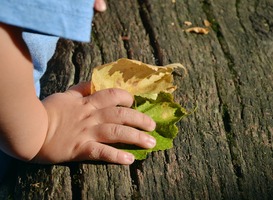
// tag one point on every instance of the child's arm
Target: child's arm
(65, 126)
(23, 119)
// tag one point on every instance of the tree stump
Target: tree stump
(223, 150)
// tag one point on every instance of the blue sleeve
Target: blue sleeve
(41, 48)
(47, 20)
(70, 19)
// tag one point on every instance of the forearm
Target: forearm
(23, 119)
(23, 134)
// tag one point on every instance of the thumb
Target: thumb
(81, 90)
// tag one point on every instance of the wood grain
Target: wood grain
(224, 149)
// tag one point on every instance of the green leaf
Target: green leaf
(166, 113)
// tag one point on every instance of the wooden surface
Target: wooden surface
(223, 151)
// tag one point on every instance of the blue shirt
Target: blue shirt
(70, 19)
(46, 21)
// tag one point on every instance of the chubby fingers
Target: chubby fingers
(109, 98)
(97, 148)
(124, 116)
(101, 99)
(114, 133)
(97, 151)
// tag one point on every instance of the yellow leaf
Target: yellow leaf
(134, 76)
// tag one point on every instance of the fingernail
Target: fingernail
(153, 125)
(129, 158)
(102, 6)
(151, 142)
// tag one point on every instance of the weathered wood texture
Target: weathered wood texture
(224, 150)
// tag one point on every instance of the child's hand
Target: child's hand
(81, 126)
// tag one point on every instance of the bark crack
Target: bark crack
(134, 168)
(75, 180)
(144, 10)
(230, 135)
(76, 64)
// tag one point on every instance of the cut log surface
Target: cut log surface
(223, 150)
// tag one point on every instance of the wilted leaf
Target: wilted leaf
(136, 77)
(152, 87)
